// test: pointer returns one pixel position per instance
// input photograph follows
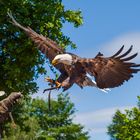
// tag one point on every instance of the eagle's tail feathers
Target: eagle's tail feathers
(106, 90)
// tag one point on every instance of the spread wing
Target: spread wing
(45, 45)
(111, 71)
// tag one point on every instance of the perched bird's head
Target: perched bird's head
(62, 58)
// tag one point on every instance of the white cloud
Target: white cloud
(128, 39)
(97, 121)
(99, 116)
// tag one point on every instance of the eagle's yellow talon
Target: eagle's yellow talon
(55, 82)
(48, 80)
(58, 85)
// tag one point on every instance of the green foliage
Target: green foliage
(20, 61)
(126, 126)
(40, 123)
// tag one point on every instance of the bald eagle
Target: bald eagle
(109, 72)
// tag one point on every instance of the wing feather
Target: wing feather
(126, 53)
(117, 53)
(110, 72)
(130, 57)
(47, 46)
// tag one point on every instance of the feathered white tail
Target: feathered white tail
(106, 90)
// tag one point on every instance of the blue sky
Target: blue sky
(107, 26)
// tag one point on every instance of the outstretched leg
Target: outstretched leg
(53, 82)
(65, 84)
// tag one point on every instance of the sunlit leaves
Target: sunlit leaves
(126, 126)
(74, 15)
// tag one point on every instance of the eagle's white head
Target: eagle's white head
(62, 58)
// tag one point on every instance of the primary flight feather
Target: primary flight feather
(109, 72)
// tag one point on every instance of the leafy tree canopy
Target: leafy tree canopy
(126, 126)
(37, 122)
(20, 62)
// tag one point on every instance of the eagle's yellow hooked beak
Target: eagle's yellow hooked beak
(54, 62)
